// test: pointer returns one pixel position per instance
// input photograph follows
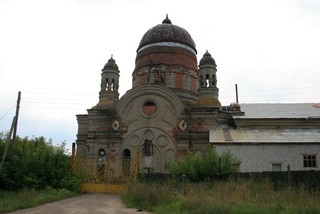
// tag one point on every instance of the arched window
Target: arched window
(126, 154)
(148, 148)
(214, 80)
(126, 162)
(112, 85)
(201, 81)
(207, 81)
(107, 84)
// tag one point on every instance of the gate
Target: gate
(107, 176)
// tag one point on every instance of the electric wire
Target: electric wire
(78, 100)
(7, 112)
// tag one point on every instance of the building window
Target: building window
(309, 161)
(147, 148)
(276, 167)
(126, 154)
(101, 153)
(149, 108)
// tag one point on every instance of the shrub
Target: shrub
(36, 163)
(197, 168)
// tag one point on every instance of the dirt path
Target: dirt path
(88, 203)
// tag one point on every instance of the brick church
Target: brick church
(173, 107)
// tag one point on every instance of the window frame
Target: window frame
(309, 161)
(276, 167)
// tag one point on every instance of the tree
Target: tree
(35, 163)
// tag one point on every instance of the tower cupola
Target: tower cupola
(109, 94)
(110, 76)
(208, 92)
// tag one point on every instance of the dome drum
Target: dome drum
(166, 55)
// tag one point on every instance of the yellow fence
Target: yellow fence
(109, 176)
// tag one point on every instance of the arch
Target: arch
(158, 147)
(148, 92)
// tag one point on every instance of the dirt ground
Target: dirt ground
(87, 203)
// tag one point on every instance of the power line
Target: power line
(7, 112)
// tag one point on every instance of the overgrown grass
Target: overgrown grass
(241, 197)
(26, 198)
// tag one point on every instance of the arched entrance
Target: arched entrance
(126, 163)
(154, 148)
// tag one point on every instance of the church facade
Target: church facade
(173, 107)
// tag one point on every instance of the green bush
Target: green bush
(197, 168)
(36, 163)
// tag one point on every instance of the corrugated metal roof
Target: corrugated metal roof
(279, 110)
(246, 135)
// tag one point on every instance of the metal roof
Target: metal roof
(279, 110)
(247, 135)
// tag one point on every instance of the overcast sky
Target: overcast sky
(53, 52)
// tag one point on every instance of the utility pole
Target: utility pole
(12, 129)
(17, 115)
(237, 100)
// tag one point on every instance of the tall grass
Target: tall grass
(11, 201)
(221, 197)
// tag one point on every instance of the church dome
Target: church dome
(167, 32)
(207, 59)
(111, 65)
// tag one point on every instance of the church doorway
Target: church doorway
(126, 163)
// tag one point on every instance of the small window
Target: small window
(309, 161)
(126, 154)
(101, 153)
(149, 108)
(276, 167)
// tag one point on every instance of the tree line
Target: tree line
(36, 163)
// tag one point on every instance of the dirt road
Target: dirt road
(87, 203)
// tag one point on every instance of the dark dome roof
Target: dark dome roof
(111, 65)
(167, 32)
(207, 59)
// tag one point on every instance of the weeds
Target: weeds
(10, 201)
(221, 197)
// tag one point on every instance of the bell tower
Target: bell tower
(208, 92)
(109, 94)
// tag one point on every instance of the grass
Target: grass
(241, 197)
(26, 198)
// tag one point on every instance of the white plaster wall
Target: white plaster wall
(259, 157)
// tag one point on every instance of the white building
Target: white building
(272, 137)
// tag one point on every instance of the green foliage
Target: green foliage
(197, 168)
(36, 163)
(221, 197)
(25, 198)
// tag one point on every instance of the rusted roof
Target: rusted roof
(247, 135)
(279, 110)
(167, 32)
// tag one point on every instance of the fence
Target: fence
(109, 176)
(310, 179)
